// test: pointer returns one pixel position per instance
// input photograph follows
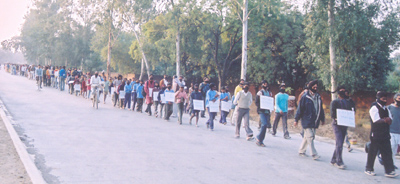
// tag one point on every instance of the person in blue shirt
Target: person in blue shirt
(211, 97)
(134, 85)
(195, 95)
(224, 97)
(169, 105)
(128, 94)
(62, 76)
(139, 96)
(281, 109)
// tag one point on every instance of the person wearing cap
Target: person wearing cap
(381, 119)
(243, 101)
(395, 126)
(168, 104)
(238, 89)
(281, 109)
(180, 98)
(195, 95)
(311, 113)
(213, 96)
(264, 114)
(339, 130)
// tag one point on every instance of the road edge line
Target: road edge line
(30, 167)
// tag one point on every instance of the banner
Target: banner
(226, 106)
(121, 94)
(198, 105)
(213, 106)
(169, 96)
(112, 90)
(150, 92)
(77, 87)
(155, 96)
(345, 118)
(267, 102)
(162, 98)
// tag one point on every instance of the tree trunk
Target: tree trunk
(332, 48)
(109, 48)
(244, 42)
(141, 70)
(178, 59)
(141, 50)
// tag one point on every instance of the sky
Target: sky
(12, 14)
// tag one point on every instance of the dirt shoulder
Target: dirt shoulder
(12, 171)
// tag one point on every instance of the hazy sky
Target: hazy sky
(12, 14)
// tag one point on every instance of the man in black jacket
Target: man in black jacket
(311, 113)
(380, 136)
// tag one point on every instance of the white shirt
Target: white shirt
(374, 113)
(95, 80)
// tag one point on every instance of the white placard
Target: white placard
(162, 98)
(150, 92)
(345, 118)
(77, 87)
(226, 106)
(198, 105)
(112, 90)
(155, 96)
(70, 82)
(267, 102)
(121, 94)
(169, 96)
(213, 106)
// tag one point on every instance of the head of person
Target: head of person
(313, 86)
(246, 87)
(165, 77)
(381, 97)
(264, 85)
(141, 82)
(110, 79)
(181, 78)
(137, 81)
(174, 77)
(196, 87)
(151, 77)
(241, 82)
(282, 88)
(169, 85)
(342, 92)
(119, 77)
(181, 88)
(191, 84)
(205, 79)
(212, 86)
(96, 74)
(396, 99)
(223, 89)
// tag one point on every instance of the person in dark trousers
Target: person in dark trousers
(161, 102)
(168, 104)
(311, 113)
(139, 91)
(381, 119)
(204, 87)
(211, 97)
(116, 84)
(395, 126)
(156, 101)
(148, 88)
(264, 114)
(339, 130)
(195, 95)
(128, 94)
(224, 96)
(281, 109)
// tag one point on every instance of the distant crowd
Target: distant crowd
(171, 97)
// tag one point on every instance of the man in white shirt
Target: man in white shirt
(243, 100)
(95, 83)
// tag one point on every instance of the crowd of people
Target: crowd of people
(133, 94)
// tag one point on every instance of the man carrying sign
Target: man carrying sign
(339, 130)
(211, 96)
(263, 113)
(195, 95)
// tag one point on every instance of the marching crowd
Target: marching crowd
(132, 94)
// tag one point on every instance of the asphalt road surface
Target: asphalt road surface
(74, 143)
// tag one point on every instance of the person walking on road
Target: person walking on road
(148, 88)
(168, 104)
(195, 95)
(395, 126)
(180, 98)
(212, 96)
(128, 94)
(243, 100)
(139, 96)
(311, 113)
(281, 109)
(381, 119)
(62, 75)
(339, 130)
(204, 87)
(161, 101)
(39, 76)
(238, 89)
(156, 90)
(265, 114)
(224, 98)
(116, 84)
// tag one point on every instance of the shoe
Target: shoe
(349, 149)
(391, 174)
(211, 129)
(208, 126)
(273, 134)
(250, 138)
(342, 166)
(260, 144)
(203, 117)
(395, 167)
(316, 157)
(302, 155)
(287, 137)
(371, 173)
(237, 136)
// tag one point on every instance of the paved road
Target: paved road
(74, 143)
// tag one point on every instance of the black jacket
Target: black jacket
(307, 113)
